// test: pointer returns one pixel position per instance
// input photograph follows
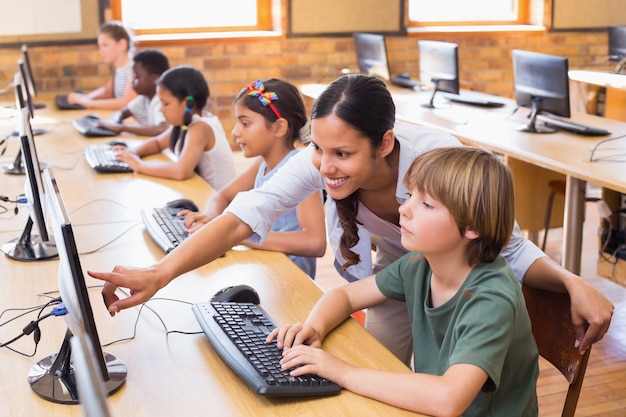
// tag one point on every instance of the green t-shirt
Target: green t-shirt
(485, 324)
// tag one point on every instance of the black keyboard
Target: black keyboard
(87, 127)
(237, 331)
(164, 226)
(473, 100)
(102, 158)
(567, 125)
(63, 104)
(405, 82)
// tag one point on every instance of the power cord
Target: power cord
(33, 326)
(20, 199)
(618, 157)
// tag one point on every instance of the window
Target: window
(162, 17)
(463, 12)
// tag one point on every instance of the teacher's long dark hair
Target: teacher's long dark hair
(363, 102)
(185, 83)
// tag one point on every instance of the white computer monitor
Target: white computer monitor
(30, 246)
(52, 377)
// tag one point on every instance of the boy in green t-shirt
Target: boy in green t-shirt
(474, 353)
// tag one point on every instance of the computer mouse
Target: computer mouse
(117, 143)
(238, 294)
(93, 116)
(404, 75)
(182, 203)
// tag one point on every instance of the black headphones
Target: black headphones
(187, 115)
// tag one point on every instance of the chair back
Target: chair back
(552, 327)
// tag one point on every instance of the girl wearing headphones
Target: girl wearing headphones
(197, 138)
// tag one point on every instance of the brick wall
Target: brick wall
(485, 61)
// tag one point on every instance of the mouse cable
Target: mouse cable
(136, 324)
(602, 142)
(112, 240)
(98, 200)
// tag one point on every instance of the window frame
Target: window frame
(523, 18)
(264, 20)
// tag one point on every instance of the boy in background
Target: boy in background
(148, 65)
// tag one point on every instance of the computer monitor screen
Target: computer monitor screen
(30, 79)
(439, 65)
(541, 83)
(25, 89)
(371, 54)
(52, 377)
(617, 42)
(31, 247)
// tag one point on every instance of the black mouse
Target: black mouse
(238, 294)
(117, 143)
(182, 203)
(93, 116)
(404, 75)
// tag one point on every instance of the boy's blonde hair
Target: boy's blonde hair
(477, 189)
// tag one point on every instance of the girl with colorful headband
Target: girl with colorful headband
(196, 138)
(271, 117)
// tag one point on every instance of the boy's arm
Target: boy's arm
(447, 395)
(329, 312)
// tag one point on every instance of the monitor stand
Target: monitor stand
(532, 126)
(29, 248)
(53, 378)
(17, 168)
(431, 102)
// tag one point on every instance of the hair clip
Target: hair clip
(257, 89)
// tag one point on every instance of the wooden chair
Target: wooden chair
(554, 333)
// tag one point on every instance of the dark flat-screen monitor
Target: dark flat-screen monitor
(53, 377)
(26, 91)
(29, 78)
(17, 168)
(617, 46)
(542, 84)
(617, 42)
(439, 65)
(31, 247)
(371, 54)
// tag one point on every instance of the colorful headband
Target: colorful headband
(257, 89)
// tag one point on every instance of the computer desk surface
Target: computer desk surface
(167, 374)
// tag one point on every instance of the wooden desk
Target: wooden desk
(167, 375)
(615, 85)
(562, 153)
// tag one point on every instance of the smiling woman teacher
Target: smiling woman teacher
(359, 158)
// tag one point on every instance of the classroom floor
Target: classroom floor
(605, 380)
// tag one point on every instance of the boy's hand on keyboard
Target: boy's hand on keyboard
(295, 334)
(302, 360)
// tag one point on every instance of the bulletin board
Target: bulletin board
(335, 17)
(48, 21)
(587, 14)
